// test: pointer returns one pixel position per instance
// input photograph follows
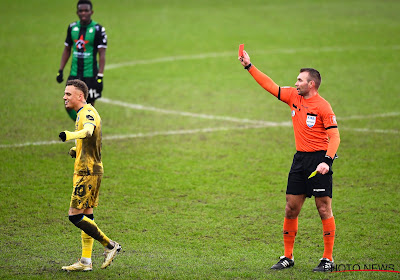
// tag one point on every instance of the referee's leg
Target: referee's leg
(324, 206)
(294, 203)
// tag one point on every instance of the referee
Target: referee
(317, 140)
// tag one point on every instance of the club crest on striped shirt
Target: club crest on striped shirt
(311, 121)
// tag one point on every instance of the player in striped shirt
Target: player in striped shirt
(317, 140)
(85, 40)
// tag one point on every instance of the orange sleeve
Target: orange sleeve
(263, 80)
(334, 141)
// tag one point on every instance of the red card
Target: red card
(241, 47)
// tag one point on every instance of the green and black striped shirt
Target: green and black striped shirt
(85, 41)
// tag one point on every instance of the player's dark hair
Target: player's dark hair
(85, 2)
(79, 85)
(314, 75)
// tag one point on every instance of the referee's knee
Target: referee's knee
(291, 211)
(325, 212)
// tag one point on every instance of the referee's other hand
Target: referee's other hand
(323, 168)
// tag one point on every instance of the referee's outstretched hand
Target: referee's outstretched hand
(245, 59)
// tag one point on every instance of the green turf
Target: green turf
(206, 205)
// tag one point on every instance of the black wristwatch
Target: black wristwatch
(248, 67)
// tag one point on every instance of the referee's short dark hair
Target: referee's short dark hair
(314, 75)
(85, 2)
(79, 85)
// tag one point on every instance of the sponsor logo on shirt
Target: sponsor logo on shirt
(81, 43)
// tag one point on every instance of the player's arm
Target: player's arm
(86, 132)
(65, 55)
(102, 63)
(263, 80)
(102, 60)
(101, 43)
(64, 59)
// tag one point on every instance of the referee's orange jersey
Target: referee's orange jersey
(314, 123)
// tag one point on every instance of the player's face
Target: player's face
(73, 98)
(84, 13)
(302, 84)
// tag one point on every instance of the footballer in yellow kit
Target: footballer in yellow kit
(88, 172)
(88, 168)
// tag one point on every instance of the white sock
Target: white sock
(86, 261)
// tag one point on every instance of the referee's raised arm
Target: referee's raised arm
(262, 79)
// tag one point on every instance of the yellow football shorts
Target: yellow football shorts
(85, 193)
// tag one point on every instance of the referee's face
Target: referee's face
(302, 84)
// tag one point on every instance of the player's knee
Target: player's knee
(75, 218)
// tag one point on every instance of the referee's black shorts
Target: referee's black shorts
(92, 85)
(304, 163)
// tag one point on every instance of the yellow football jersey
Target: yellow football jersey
(88, 150)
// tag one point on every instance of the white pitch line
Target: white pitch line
(255, 124)
(168, 59)
(188, 114)
(386, 131)
(231, 119)
(182, 132)
(233, 54)
(373, 116)
(144, 135)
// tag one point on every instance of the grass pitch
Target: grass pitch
(200, 195)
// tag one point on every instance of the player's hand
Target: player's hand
(323, 168)
(99, 80)
(245, 59)
(72, 152)
(65, 135)
(60, 76)
(62, 136)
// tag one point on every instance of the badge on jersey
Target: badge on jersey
(311, 119)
